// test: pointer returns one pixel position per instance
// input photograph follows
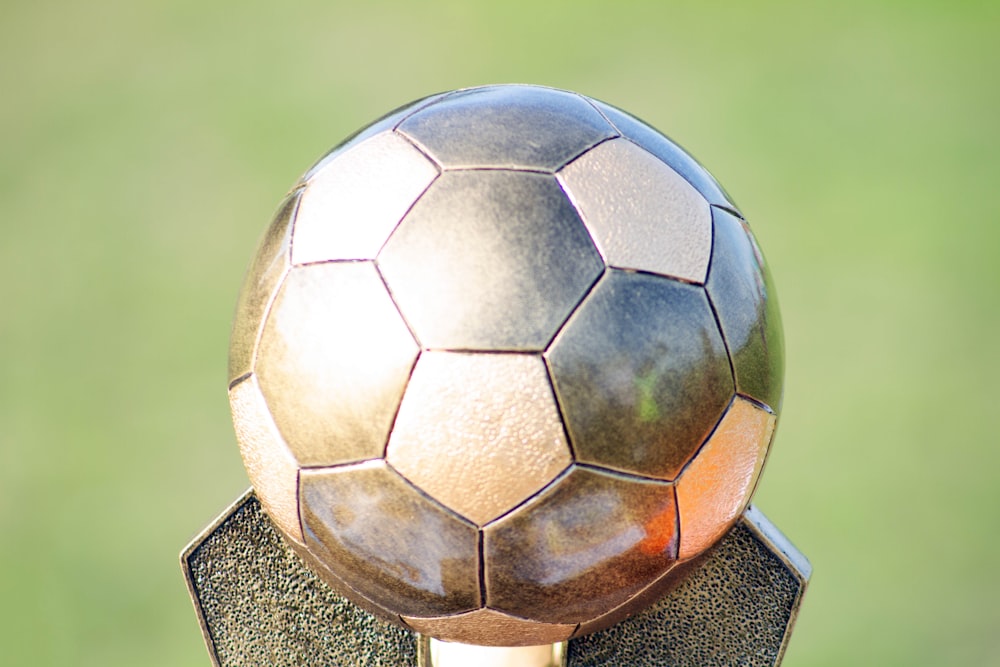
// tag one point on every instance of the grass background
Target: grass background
(143, 147)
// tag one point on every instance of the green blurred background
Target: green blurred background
(144, 146)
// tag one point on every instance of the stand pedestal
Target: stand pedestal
(259, 605)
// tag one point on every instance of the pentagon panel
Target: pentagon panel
(259, 285)
(716, 486)
(641, 374)
(272, 469)
(642, 214)
(514, 127)
(487, 627)
(739, 285)
(665, 149)
(585, 545)
(388, 541)
(479, 433)
(386, 123)
(333, 362)
(489, 260)
(351, 205)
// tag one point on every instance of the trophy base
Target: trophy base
(259, 605)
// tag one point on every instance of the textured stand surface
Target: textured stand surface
(259, 605)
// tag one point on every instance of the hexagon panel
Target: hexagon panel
(490, 260)
(716, 486)
(665, 149)
(740, 287)
(641, 374)
(642, 213)
(352, 204)
(262, 279)
(333, 362)
(585, 545)
(514, 127)
(480, 433)
(270, 466)
(425, 561)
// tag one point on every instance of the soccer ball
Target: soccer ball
(503, 360)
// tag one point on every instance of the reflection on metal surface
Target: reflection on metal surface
(350, 207)
(268, 267)
(514, 127)
(635, 604)
(642, 213)
(740, 287)
(271, 467)
(488, 627)
(738, 604)
(585, 545)
(773, 540)
(715, 488)
(445, 654)
(641, 374)
(489, 260)
(669, 152)
(425, 562)
(333, 362)
(479, 432)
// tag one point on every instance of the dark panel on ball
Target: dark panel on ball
(385, 539)
(665, 149)
(489, 260)
(259, 285)
(585, 545)
(525, 127)
(259, 605)
(641, 374)
(739, 285)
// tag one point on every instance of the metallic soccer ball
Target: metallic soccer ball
(504, 359)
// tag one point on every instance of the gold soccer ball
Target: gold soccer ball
(503, 360)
